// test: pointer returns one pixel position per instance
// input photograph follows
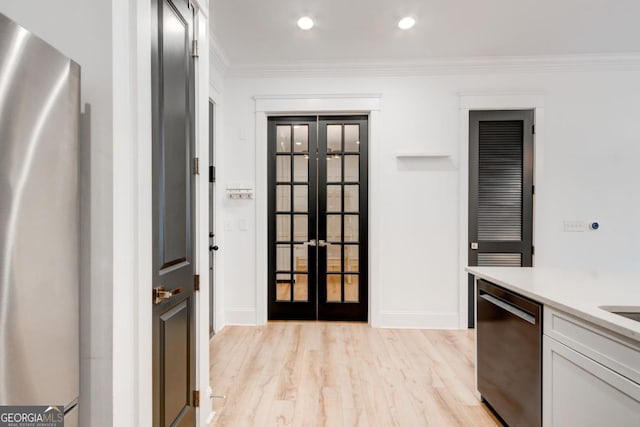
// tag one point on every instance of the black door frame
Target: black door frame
(325, 311)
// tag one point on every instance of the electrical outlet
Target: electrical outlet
(573, 226)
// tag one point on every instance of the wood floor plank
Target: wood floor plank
(344, 374)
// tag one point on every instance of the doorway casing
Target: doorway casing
(494, 101)
(343, 104)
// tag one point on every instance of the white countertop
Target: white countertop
(576, 292)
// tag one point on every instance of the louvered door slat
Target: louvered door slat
(500, 180)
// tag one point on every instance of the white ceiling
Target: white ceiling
(264, 31)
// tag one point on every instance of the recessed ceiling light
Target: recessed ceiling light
(305, 23)
(406, 23)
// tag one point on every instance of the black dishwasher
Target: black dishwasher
(509, 346)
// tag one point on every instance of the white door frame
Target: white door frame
(494, 101)
(266, 106)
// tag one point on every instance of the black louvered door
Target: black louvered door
(500, 189)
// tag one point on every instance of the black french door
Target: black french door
(318, 218)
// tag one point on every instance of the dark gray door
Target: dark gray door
(500, 190)
(173, 183)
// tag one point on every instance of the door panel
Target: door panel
(317, 204)
(173, 183)
(175, 337)
(500, 191)
(292, 207)
(342, 218)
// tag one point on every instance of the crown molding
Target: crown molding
(439, 66)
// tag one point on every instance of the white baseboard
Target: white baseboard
(418, 320)
(240, 316)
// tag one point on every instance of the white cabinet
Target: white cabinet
(582, 380)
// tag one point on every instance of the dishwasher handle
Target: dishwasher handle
(516, 311)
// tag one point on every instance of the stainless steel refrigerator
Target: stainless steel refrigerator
(39, 223)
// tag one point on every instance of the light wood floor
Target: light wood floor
(344, 374)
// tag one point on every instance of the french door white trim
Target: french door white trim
(494, 101)
(269, 105)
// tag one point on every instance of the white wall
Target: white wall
(82, 30)
(588, 168)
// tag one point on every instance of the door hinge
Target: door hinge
(212, 174)
(196, 282)
(533, 189)
(196, 398)
(196, 166)
(194, 48)
(533, 129)
(533, 250)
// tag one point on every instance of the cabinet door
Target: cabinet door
(580, 392)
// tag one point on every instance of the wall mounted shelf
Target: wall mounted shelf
(422, 154)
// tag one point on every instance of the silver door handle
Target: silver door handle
(311, 242)
(159, 294)
(474, 246)
(323, 243)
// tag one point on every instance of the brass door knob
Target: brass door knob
(159, 294)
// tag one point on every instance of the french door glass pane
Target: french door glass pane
(283, 168)
(334, 258)
(301, 138)
(351, 198)
(334, 288)
(334, 228)
(283, 291)
(300, 258)
(301, 288)
(283, 143)
(351, 288)
(351, 226)
(300, 169)
(351, 258)
(283, 257)
(283, 198)
(301, 198)
(351, 168)
(334, 138)
(352, 138)
(334, 198)
(334, 168)
(283, 228)
(300, 228)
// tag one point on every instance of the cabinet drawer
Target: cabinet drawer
(614, 351)
(580, 392)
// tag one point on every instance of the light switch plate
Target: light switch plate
(574, 226)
